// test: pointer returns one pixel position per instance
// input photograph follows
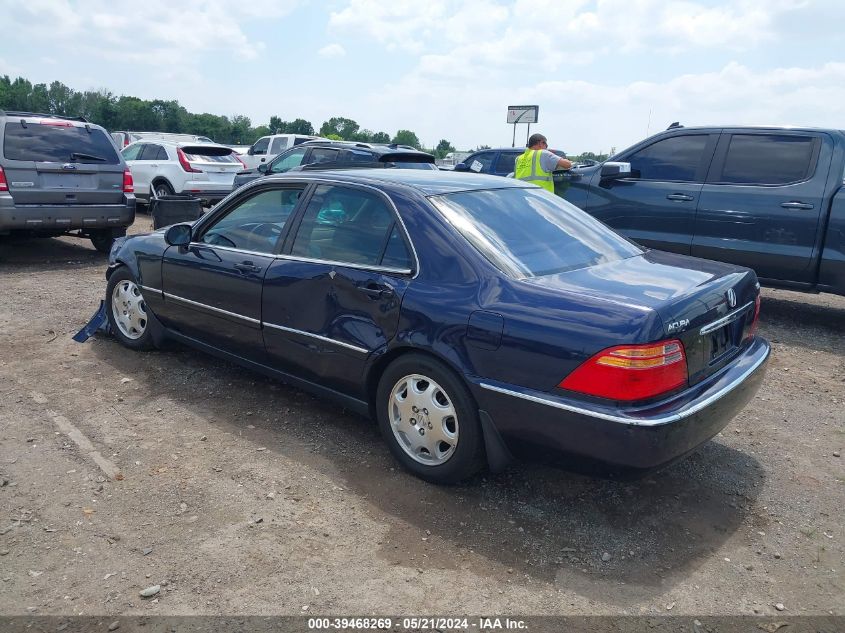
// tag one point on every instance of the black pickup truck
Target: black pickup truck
(767, 198)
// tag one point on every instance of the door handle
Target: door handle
(680, 197)
(375, 291)
(796, 205)
(248, 267)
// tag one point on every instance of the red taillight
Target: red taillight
(55, 123)
(4, 186)
(183, 160)
(126, 141)
(128, 183)
(631, 372)
(243, 164)
(753, 329)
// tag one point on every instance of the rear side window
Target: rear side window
(677, 158)
(768, 159)
(506, 162)
(279, 145)
(132, 152)
(528, 233)
(322, 155)
(58, 144)
(348, 225)
(359, 156)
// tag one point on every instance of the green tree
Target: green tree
(340, 126)
(276, 125)
(406, 137)
(300, 126)
(241, 129)
(443, 148)
(380, 137)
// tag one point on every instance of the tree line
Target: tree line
(157, 115)
(131, 113)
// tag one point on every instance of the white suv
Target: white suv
(204, 170)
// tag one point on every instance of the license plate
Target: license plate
(68, 181)
(221, 177)
(721, 342)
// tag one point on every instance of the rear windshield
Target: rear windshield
(223, 155)
(58, 144)
(529, 233)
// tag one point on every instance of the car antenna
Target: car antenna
(675, 124)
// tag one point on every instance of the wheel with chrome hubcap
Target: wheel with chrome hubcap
(127, 310)
(423, 419)
(429, 419)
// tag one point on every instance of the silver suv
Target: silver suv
(62, 175)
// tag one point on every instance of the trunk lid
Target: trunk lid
(218, 163)
(708, 306)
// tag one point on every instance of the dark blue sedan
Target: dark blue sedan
(466, 313)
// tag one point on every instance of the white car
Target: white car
(204, 170)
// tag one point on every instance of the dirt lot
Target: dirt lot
(238, 494)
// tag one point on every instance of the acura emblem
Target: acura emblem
(731, 298)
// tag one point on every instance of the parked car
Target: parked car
(764, 197)
(204, 170)
(465, 313)
(333, 154)
(62, 175)
(122, 138)
(498, 162)
(267, 148)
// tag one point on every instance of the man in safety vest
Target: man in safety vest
(537, 163)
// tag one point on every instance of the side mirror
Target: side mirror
(178, 235)
(263, 167)
(614, 171)
(250, 151)
(461, 167)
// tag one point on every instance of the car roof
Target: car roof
(426, 182)
(77, 120)
(171, 143)
(376, 148)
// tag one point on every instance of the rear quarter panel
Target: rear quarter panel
(832, 265)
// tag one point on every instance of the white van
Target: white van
(267, 148)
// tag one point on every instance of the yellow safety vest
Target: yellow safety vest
(528, 168)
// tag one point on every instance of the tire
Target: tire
(127, 311)
(102, 239)
(418, 395)
(162, 189)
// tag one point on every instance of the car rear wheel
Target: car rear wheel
(162, 189)
(429, 420)
(127, 311)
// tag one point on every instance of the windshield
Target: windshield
(529, 233)
(53, 143)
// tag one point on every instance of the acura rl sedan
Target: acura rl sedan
(465, 313)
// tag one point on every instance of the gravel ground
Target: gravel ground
(239, 495)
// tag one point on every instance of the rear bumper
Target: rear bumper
(58, 218)
(641, 438)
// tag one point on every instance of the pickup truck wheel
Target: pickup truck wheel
(127, 311)
(102, 239)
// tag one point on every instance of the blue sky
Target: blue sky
(604, 73)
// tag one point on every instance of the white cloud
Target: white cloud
(152, 32)
(332, 51)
